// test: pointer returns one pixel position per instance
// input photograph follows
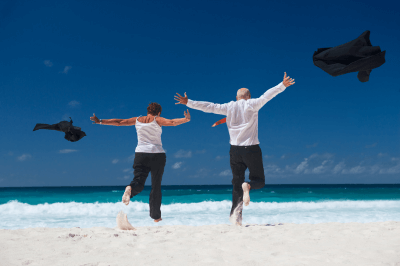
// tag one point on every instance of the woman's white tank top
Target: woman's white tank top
(149, 137)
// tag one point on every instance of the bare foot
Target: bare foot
(246, 193)
(123, 223)
(126, 198)
(158, 220)
(236, 217)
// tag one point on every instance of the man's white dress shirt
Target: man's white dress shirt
(241, 116)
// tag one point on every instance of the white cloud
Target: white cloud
(48, 63)
(67, 151)
(218, 158)
(24, 157)
(268, 156)
(74, 103)
(272, 168)
(283, 156)
(392, 170)
(322, 168)
(380, 155)
(201, 152)
(127, 170)
(183, 154)
(302, 166)
(131, 158)
(177, 165)
(225, 173)
(126, 177)
(339, 167)
(357, 170)
(66, 69)
(115, 161)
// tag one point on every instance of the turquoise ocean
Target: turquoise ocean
(197, 205)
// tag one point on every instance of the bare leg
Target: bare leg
(157, 220)
(236, 216)
(126, 198)
(246, 193)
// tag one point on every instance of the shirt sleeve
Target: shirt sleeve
(267, 96)
(219, 109)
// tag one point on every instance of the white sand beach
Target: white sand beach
(288, 244)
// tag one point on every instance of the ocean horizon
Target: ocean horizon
(98, 206)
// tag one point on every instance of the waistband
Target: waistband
(250, 146)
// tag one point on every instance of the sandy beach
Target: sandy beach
(288, 244)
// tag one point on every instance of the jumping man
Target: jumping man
(242, 122)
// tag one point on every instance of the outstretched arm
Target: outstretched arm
(207, 107)
(114, 122)
(271, 93)
(173, 122)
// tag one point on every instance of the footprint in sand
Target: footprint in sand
(123, 223)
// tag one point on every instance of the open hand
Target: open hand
(187, 115)
(287, 81)
(95, 119)
(181, 100)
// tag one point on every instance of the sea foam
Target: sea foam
(16, 215)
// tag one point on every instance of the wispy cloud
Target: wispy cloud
(395, 169)
(66, 69)
(115, 161)
(312, 145)
(201, 152)
(127, 170)
(355, 170)
(24, 157)
(218, 158)
(339, 168)
(225, 173)
(302, 166)
(177, 165)
(74, 103)
(67, 151)
(183, 154)
(322, 168)
(268, 156)
(371, 146)
(131, 158)
(48, 63)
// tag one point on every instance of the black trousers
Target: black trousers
(241, 158)
(142, 165)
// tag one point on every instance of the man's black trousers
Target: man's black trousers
(142, 165)
(243, 157)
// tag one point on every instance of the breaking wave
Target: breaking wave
(16, 215)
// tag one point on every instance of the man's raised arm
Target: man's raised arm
(114, 122)
(271, 93)
(220, 109)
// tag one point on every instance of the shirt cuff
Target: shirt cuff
(281, 86)
(189, 103)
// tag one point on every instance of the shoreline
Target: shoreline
(375, 243)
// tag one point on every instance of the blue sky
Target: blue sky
(76, 58)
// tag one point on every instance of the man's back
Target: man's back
(242, 122)
(242, 115)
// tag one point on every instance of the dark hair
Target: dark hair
(154, 108)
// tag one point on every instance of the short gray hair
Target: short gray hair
(243, 93)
